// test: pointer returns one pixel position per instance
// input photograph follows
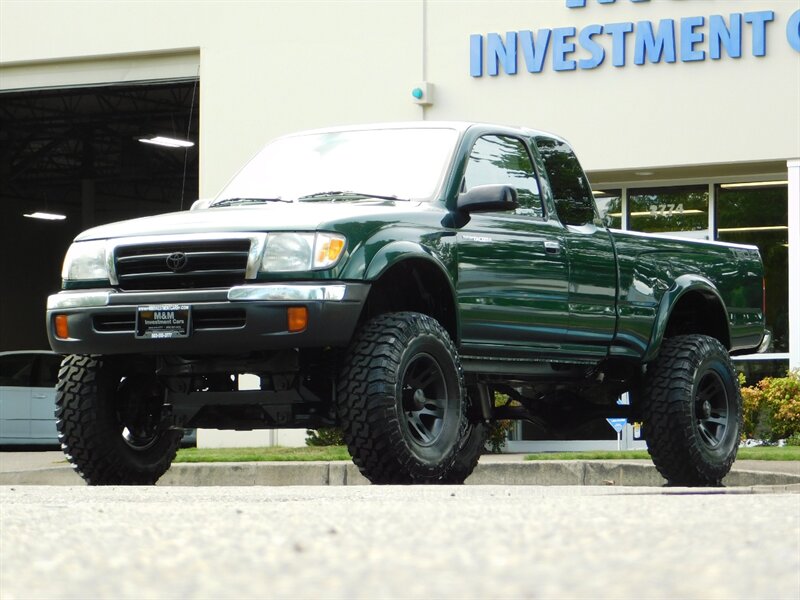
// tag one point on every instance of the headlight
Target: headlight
(301, 251)
(85, 261)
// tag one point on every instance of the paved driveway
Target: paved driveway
(397, 542)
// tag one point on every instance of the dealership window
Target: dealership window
(676, 210)
(758, 215)
(609, 207)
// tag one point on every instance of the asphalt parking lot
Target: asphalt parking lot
(397, 542)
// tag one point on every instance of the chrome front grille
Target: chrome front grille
(189, 264)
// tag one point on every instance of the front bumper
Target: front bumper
(224, 321)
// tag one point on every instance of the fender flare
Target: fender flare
(400, 251)
(683, 285)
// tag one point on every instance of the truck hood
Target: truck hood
(277, 216)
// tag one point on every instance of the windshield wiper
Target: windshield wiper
(344, 195)
(239, 201)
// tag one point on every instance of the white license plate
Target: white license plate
(163, 321)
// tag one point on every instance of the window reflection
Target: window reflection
(679, 210)
(758, 216)
(571, 191)
(504, 160)
(609, 207)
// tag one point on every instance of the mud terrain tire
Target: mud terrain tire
(402, 405)
(109, 423)
(692, 410)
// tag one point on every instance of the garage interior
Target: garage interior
(77, 153)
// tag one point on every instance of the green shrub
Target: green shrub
(327, 436)
(499, 430)
(771, 408)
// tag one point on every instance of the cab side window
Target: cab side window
(505, 160)
(571, 191)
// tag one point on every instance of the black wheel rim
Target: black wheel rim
(712, 409)
(424, 390)
(139, 414)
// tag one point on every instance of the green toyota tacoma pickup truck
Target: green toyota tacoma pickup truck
(388, 280)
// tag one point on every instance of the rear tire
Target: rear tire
(402, 405)
(109, 423)
(692, 410)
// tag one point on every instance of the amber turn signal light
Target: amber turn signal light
(297, 317)
(62, 330)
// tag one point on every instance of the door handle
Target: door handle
(552, 247)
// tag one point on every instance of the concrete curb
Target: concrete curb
(562, 473)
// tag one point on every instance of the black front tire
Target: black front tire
(402, 405)
(692, 411)
(109, 423)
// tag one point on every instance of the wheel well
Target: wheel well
(414, 285)
(700, 313)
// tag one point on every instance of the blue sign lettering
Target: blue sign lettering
(476, 55)
(691, 40)
(594, 48)
(719, 35)
(655, 46)
(497, 52)
(759, 21)
(690, 37)
(793, 31)
(618, 32)
(582, 3)
(534, 49)
(561, 47)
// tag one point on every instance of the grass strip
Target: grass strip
(270, 453)
(339, 453)
(790, 453)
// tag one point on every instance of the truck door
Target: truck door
(512, 266)
(590, 251)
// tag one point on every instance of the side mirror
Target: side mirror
(488, 198)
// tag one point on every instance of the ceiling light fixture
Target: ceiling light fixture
(749, 184)
(764, 228)
(45, 216)
(674, 213)
(167, 142)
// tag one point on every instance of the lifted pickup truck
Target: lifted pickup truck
(388, 280)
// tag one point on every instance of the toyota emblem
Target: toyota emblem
(176, 261)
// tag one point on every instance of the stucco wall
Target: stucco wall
(267, 68)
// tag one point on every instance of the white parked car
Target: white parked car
(27, 397)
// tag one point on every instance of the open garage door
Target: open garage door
(77, 155)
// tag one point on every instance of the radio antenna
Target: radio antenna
(188, 131)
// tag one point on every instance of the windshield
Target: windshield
(406, 164)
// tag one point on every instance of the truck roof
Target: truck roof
(460, 126)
